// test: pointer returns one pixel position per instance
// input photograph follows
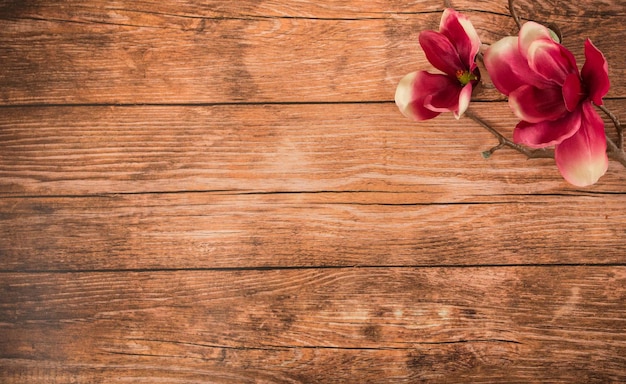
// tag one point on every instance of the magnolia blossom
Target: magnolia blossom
(553, 100)
(422, 95)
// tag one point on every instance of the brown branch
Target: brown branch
(504, 142)
(618, 125)
(614, 152)
(514, 15)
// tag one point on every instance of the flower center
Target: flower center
(465, 77)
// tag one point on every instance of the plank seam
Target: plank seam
(304, 268)
(234, 103)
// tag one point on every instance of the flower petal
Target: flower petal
(572, 91)
(531, 32)
(460, 31)
(549, 132)
(546, 57)
(595, 73)
(508, 68)
(534, 105)
(464, 100)
(412, 91)
(451, 98)
(445, 98)
(552, 61)
(582, 158)
(441, 53)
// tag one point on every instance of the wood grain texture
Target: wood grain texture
(442, 324)
(215, 230)
(86, 10)
(110, 54)
(224, 192)
(269, 148)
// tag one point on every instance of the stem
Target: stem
(614, 152)
(514, 15)
(504, 142)
(480, 57)
(618, 126)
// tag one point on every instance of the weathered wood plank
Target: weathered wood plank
(85, 10)
(218, 243)
(296, 148)
(523, 324)
(113, 54)
(211, 230)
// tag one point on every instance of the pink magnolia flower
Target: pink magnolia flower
(422, 95)
(553, 100)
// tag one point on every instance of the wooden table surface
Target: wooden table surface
(225, 192)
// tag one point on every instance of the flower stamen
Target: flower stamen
(464, 77)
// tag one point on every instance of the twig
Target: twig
(480, 57)
(514, 15)
(614, 152)
(503, 141)
(618, 126)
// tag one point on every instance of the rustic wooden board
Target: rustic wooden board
(214, 230)
(224, 192)
(270, 148)
(519, 324)
(89, 10)
(107, 54)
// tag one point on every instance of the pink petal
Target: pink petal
(451, 98)
(534, 105)
(440, 52)
(413, 89)
(545, 57)
(460, 31)
(446, 98)
(582, 158)
(530, 33)
(572, 91)
(552, 61)
(508, 68)
(547, 133)
(595, 73)
(464, 100)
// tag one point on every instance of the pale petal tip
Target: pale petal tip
(465, 97)
(585, 174)
(404, 94)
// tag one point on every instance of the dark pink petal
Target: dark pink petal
(547, 133)
(534, 105)
(441, 53)
(451, 98)
(508, 68)
(414, 88)
(460, 31)
(582, 158)
(572, 92)
(446, 98)
(595, 73)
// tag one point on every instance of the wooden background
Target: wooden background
(224, 191)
